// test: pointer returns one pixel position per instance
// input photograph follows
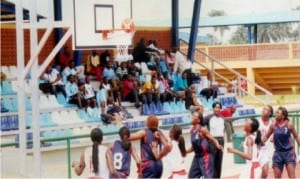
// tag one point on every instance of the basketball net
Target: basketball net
(122, 53)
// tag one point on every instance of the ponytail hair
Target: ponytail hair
(124, 134)
(96, 137)
(254, 128)
(177, 134)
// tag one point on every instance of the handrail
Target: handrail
(213, 60)
(68, 138)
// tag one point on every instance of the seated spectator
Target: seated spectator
(104, 58)
(115, 88)
(122, 70)
(132, 69)
(170, 59)
(109, 72)
(69, 70)
(139, 52)
(89, 93)
(65, 58)
(210, 89)
(74, 96)
(93, 65)
(53, 83)
(130, 90)
(110, 113)
(150, 91)
(166, 94)
(102, 95)
(181, 84)
(191, 101)
(228, 113)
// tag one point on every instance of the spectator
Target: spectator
(150, 91)
(139, 54)
(170, 59)
(104, 58)
(243, 84)
(52, 81)
(130, 90)
(192, 102)
(122, 70)
(181, 84)
(74, 96)
(166, 94)
(65, 58)
(109, 72)
(92, 158)
(182, 65)
(210, 89)
(228, 113)
(89, 93)
(69, 70)
(93, 65)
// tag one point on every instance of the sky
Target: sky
(152, 11)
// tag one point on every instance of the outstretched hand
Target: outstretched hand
(229, 149)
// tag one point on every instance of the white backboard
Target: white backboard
(98, 24)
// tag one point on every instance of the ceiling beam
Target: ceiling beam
(261, 81)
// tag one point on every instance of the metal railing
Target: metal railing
(240, 76)
(293, 115)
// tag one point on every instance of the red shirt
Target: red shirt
(226, 112)
(127, 87)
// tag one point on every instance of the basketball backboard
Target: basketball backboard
(102, 24)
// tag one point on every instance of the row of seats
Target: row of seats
(228, 101)
(164, 109)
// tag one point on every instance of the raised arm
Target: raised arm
(268, 134)
(166, 146)
(137, 135)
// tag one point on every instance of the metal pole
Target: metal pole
(35, 93)
(194, 30)
(69, 157)
(175, 30)
(21, 93)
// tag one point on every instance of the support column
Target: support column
(255, 34)
(58, 32)
(250, 76)
(175, 30)
(21, 93)
(194, 30)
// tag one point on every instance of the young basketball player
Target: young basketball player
(119, 155)
(151, 137)
(93, 157)
(203, 162)
(174, 161)
(265, 152)
(251, 148)
(284, 154)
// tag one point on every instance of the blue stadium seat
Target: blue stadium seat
(146, 109)
(28, 120)
(28, 105)
(167, 107)
(5, 123)
(7, 88)
(14, 122)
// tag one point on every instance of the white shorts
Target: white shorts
(265, 156)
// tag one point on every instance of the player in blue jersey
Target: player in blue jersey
(284, 154)
(118, 156)
(203, 162)
(154, 146)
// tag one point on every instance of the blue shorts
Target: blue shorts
(152, 169)
(202, 166)
(283, 158)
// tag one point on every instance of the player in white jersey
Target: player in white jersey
(265, 153)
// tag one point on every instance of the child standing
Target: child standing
(175, 158)
(251, 145)
(118, 156)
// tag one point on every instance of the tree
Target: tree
(216, 13)
(239, 36)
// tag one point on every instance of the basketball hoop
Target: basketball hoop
(127, 26)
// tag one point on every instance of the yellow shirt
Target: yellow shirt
(148, 85)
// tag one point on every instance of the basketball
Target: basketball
(128, 25)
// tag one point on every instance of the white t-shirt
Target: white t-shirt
(89, 91)
(266, 151)
(174, 162)
(52, 77)
(102, 167)
(216, 126)
(181, 63)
